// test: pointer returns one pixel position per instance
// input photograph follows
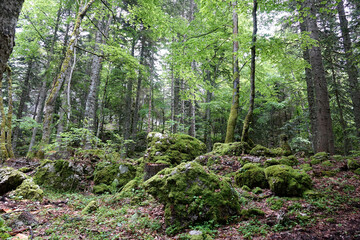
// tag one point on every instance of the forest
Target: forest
(179, 119)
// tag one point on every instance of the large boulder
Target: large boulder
(191, 194)
(28, 190)
(112, 174)
(172, 149)
(10, 179)
(64, 175)
(251, 175)
(231, 149)
(286, 181)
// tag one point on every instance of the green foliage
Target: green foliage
(4, 229)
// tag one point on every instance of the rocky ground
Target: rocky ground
(332, 211)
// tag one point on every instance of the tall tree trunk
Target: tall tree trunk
(230, 131)
(207, 132)
(23, 98)
(91, 100)
(177, 105)
(325, 138)
(59, 80)
(350, 65)
(249, 116)
(193, 108)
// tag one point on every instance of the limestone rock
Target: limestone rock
(28, 190)
(10, 179)
(191, 194)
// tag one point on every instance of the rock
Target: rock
(231, 149)
(286, 181)
(101, 189)
(259, 150)
(353, 164)
(108, 172)
(63, 175)
(289, 160)
(191, 194)
(28, 190)
(251, 175)
(91, 207)
(10, 179)
(284, 145)
(151, 169)
(24, 219)
(172, 149)
(319, 157)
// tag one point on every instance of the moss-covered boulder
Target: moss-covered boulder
(28, 190)
(63, 175)
(10, 179)
(191, 194)
(251, 175)
(319, 158)
(286, 181)
(284, 145)
(231, 149)
(111, 173)
(91, 207)
(353, 164)
(259, 150)
(172, 149)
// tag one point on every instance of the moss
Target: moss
(252, 176)
(357, 171)
(191, 194)
(319, 157)
(257, 190)
(91, 207)
(25, 169)
(338, 158)
(101, 188)
(252, 212)
(284, 145)
(245, 188)
(107, 172)
(271, 162)
(10, 179)
(231, 149)
(289, 160)
(129, 189)
(353, 164)
(172, 149)
(259, 150)
(306, 167)
(329, 173)
(59, 174)
(327, 164)
(28, 190)
(286, 181)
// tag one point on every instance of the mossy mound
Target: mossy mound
(10, 179)
(353, 164)
(259, 150)
(231, 149)
(191, 194)
(91, 207)
(172, 149)
(251, 175)
(101, 188)
(284, 145)
(63, 175)
(319, 158)
(110, 173)
(28, 190)
(286, 181)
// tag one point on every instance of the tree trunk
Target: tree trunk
(325, 138)
(230, 131)
(23, 98)
(350, 65)
(59, 80)
(249, 116)
(91, 100)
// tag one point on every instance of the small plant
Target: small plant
(275, 203)
(253, 228)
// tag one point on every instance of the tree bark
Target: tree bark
(230, 131)
(350, 65)
(59, 80)
(325, 138)
(249, 116)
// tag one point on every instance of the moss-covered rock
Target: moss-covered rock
(252, 212)
(305, 167)
(172, 149)
(259, 150)
(353, 164)
(63, 175)
(289, 160)
(28, 190)
(91, 207)
(319, 158)
(10, 179)
(108, 172)
(191, 194)
(101, 188)
(286, 181)
(251, 175)
(357, 171)
(231, 149)
(284, 145)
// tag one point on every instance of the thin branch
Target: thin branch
(82, 49)
(97, 27)
(204, 34)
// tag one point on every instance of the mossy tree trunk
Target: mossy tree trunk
(59, 80)
(230, 130)
(249, 116)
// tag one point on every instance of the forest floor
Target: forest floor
(333, 212)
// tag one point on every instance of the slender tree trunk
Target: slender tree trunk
(177, 105)
(193, 109)
(59, 80)
(150, 109)
(23, 98)
(249, 116)
(350, 65)
(230, 131)
(325, 138)
(207, 132)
